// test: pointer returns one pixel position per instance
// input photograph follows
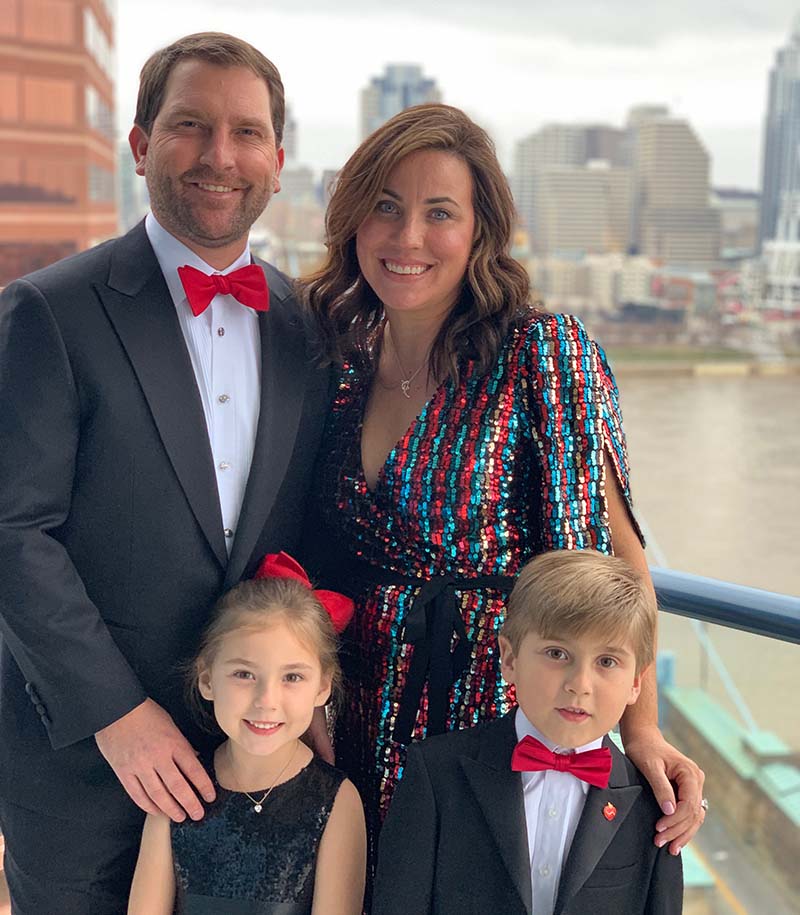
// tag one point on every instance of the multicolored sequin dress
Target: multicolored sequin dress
(501, 467)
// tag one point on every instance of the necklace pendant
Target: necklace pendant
(405, 387)
(258, 808)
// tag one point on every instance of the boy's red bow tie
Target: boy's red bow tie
(592, 766)
(247, 285)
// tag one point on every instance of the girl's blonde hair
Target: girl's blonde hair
(254, 605)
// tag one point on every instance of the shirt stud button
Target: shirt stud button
(220, 331)
(224, 465)
(228, 533)
(223, 398)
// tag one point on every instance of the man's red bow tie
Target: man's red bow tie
(592, 766)
(247, 285)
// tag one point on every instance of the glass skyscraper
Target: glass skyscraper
(400, 87)
(781, 151)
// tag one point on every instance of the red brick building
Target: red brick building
(57, 149)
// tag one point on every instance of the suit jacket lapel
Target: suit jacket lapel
(498, 792)
(139, 306)
(595, 832)
(284, 373)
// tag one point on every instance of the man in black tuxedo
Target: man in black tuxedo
(154, 447)
(538, 813)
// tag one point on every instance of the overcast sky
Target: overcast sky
(512, 64)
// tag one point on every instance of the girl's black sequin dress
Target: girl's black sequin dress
(238, 862)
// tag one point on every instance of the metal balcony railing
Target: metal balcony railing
(709, 600)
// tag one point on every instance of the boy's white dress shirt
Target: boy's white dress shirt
(553, 805)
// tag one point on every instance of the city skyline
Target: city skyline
(708, 63)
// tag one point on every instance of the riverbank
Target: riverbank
(697, 362)
(705, 369)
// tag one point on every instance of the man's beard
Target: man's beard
(172, 207)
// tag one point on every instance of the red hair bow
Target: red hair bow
(281, 565)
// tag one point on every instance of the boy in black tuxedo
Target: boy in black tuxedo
(538, 813)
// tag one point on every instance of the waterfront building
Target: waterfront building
(595, 283)
(605, 274)
(400, 87)
(752, 278)
(739, 221)
(671, 218)
(57, 137)
(781, 257)
(780, 165)
(615, 285)
(636, 280)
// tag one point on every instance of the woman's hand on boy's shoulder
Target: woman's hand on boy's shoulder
(662, 764)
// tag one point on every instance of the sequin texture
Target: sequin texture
(501, 467)
(267, 858)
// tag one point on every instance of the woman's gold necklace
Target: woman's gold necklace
(405, 378)
(258, 805)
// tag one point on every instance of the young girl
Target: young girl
(286, 831)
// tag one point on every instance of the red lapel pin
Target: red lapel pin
(609, 811)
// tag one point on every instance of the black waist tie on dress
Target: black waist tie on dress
(429, 626)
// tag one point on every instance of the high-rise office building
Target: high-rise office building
(571, 187)
(400, 87)
(671, 216)
(780, 167)
(552, 145)
(57, 149)
(596, 188)
(583, 209)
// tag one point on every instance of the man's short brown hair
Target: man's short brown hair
(214, 48)
(573, 592)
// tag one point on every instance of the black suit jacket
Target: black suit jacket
(112, 549)
(455, 840)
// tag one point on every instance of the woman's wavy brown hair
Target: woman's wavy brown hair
(496, 288)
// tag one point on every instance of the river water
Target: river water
(716, 479)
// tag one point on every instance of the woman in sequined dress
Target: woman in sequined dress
(469, 432)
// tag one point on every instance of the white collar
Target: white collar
(172, 253)
(524, 728)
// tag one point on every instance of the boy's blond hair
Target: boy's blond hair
(574, 592)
